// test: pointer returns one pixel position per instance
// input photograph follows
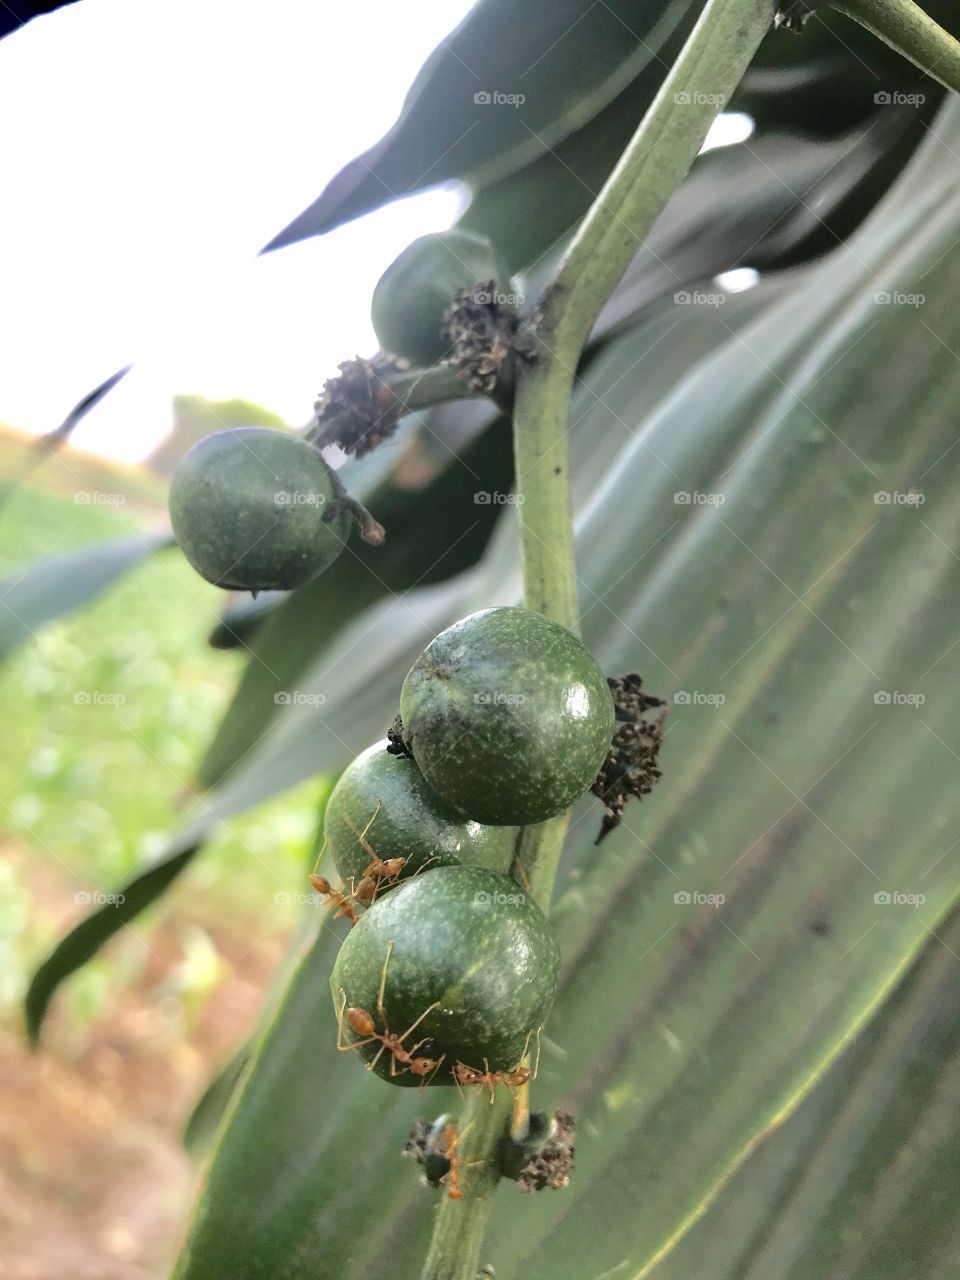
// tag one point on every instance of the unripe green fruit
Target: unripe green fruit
(247, 510)
(409, 820)
(465, 939)
(418, 286)
(508, 716)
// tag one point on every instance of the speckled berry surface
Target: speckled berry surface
(465, 937)
(418, 286)
(508, 716)
(408, 820)
(247, 510)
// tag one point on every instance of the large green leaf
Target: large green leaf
(862, 1181)
(562, 63)
(55, 586)
(687, 1029)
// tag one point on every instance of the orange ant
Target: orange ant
(342, 901)
(451, 1138)
(516, 1079)
(363, 1025)
(380, 869)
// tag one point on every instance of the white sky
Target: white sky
(151, 149)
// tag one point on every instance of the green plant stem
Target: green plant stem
(905, 27)
(709, 68)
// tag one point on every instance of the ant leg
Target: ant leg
(383, 982)
(414, 1025)
(429, 1079)
(536, 1065)
(320, 854)
(493, 1088)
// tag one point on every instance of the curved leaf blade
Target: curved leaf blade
(57, 585)
(564, 61)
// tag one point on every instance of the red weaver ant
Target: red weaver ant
(514, 1079)
(363, 1025)
(342, 901)
(380, 869)
(451, 1138)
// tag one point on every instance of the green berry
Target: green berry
(466, 940)
(416, 289)
(508, 716)
(247, 509)
(387, 796)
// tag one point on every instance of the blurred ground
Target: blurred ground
(94, 1180)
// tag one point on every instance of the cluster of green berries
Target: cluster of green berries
(452, 968)
(505, 720)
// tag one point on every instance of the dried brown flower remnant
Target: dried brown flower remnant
(630, 768)
(358, 410)
(481, 332)
(553, 1164)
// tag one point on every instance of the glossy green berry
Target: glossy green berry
(468, 956)
(387, 797)
(416, 289)
(508, 716)
(247, 509)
